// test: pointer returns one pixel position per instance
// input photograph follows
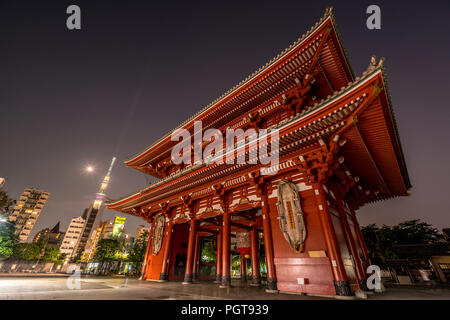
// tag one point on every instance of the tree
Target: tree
(416, 232)
(137, 253)
(208, 254)
(105, 252)
(106, 249)
(380, 241)
(5, 202)
(8, 238)
(78, 257)
(51, 253)
(26, 251)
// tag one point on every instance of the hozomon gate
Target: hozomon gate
(339, 149)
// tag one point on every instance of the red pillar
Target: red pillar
(337, 266)
(167, 251)
(146, 263)
(190, 253)
(360, 237)
(243, 268)
(219, 258)
(196, 258)
(352, 246)
(268, 246)
(226, 236)
(256, 278)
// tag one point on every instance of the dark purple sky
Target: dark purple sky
(137, 69)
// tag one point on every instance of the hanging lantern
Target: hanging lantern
(243, 242)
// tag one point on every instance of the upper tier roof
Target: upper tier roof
(374, 151)
(269, 80)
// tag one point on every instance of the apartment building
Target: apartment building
(72, 236)
(27, 211)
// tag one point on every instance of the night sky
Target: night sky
(137, 69)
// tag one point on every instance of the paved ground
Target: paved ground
(106, 288)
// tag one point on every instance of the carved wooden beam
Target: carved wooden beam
(245, 215)
(210, 221)
(319, 165)
(188, 203)
(200, 229)
(240, 225)
(258, 180)
(353, 120)
(220, 191)
(315, 59)
(254, 121)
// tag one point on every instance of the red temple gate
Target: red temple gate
(339, 149)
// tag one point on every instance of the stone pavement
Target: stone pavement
(107, 288)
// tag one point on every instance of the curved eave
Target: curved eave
(306, 116)
(396, 137)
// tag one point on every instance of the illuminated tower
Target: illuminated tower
(93, 210)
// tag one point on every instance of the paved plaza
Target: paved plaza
(120, 288)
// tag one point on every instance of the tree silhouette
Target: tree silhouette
(380, 241)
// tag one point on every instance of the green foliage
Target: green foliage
(42, 243)
(106, 249)
(8, 239)
(379, 241)
(5, 202)
(208, 254)
(235, 264)
(26, 251)
(78, 257)
(137, 253)
(51, 254)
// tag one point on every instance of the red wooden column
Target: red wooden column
(226, 237)
(149, 244)
(351, 245)
(167, 250)
(256, 278)
(190, 252)
(337, 265)
(219, 258)
(243, 268)
(268, 246)
(360, 237)
(196, 257)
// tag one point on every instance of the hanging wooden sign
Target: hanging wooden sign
(158, 233)
(290, 215)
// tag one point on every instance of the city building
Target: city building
(420, 263)
(27, 211)
(72, 236)
(140, 230)
(335, 147)
(109, 229)
(104, 228)
(119, 226)
(52, 236)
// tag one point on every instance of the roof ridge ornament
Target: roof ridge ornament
(373, 65)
